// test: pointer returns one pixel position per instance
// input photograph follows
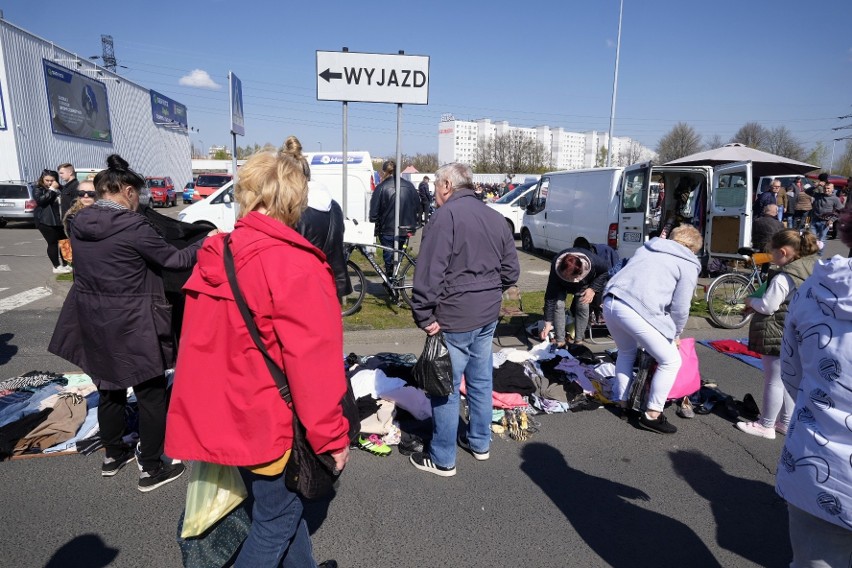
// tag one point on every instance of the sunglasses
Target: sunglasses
(91, 194)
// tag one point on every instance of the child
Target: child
(794, 255)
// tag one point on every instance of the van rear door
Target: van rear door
(535, 217)
(633, 208)
(729, 213)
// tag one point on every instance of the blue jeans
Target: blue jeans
(279, 535)
(470, 353)
(387, 240)
(820, 229)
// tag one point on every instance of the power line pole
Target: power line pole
(108, 55)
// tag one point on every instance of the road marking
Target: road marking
(539, 272)
(5, 268)
(24, 298)
(3, 289)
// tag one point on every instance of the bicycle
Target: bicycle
(398, 283)
(727, 293)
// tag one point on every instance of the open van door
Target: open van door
(633, 208)
(535, 217)
(729, 214)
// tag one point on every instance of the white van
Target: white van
(512, 205)
(327, 167)
(716, 200)
(569, 204)
(219, 208)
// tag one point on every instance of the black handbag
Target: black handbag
(309, 474)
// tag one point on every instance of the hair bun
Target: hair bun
(117, 163)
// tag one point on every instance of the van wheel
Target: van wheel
(3, 223)
(511, 227)
(526, 241)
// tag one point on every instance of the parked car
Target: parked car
(218, 209)
(188, 192)
(512, 206)
(162, 191)
(16, 202)
(206, 184)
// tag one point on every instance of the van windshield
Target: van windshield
(212, 181)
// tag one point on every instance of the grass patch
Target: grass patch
(698, 308)
(65, 277)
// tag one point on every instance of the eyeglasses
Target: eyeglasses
(91, 194)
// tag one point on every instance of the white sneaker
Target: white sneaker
(781, 428)
(67, 268)
(59, 270)
(756, 429)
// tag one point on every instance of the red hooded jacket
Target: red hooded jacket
(225, 407)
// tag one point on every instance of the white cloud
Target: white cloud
(610, 43)
(200, 79)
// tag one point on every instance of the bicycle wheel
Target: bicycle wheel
(352, 301)
(406, 280)
(726, 300)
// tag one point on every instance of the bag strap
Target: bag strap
(277, 373)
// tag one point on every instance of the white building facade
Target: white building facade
(458, 141)
(56, 107)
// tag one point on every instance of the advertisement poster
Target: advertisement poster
(238, 121)
(78, 104)
(166, 112)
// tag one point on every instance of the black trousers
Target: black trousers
(153, 403)
(53, 234)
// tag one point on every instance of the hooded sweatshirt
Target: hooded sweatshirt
(658, 284)
(815, 473)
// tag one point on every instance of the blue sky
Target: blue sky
(712, 65)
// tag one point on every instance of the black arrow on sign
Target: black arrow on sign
(328, 75)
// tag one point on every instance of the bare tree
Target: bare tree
(421, 162)
(682, 140)
(713, 142)
(753, 135)
(632, 154)
(512, 152)
(844, 164)
(781, 141)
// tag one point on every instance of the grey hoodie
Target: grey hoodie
(658, 284)
(815, 473)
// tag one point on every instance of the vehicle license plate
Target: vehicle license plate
(7, 204)
(632, 237)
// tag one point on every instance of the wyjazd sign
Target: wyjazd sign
(372, 77)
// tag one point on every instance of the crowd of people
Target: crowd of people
(290, 232)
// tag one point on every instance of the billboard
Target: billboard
(78, 104)
(238, 121)
(166, 112)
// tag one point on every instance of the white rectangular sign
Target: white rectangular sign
(372, 77)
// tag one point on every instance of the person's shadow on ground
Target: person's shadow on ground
(746, 512)
(618, 531)
(85, 551)
(7, 350)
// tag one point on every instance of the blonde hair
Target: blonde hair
(275, 181)
(688, 236)
(803, 244)
(293, 147)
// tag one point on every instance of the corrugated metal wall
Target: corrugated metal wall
(151, 150)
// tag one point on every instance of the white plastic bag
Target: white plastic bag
(214, 491)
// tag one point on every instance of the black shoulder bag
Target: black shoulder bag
(309, 474)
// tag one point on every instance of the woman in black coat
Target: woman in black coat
(115, 323)
(49, 218)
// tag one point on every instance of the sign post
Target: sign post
(238, 121)
(373, 78)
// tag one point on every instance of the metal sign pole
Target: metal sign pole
(398, 174)
(345, 204)
(234, 160)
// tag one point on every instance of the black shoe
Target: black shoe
(328, 564)
(660, 425)
(479, 456)
(164, 473)
(111, 466)
(424, 463)
(410, 445)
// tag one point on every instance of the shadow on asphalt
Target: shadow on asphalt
(600, 511)
(85, 551)
(7, 349)
(739, 508)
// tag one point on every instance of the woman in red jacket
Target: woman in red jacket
(225, 406)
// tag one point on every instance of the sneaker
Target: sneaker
(409, 445)
(423, 462)
(59, 270)
(328, 564)
(111, 466)
(781, 428)
(375, 445)
(660, 425)
(756, 429)
(165, 473)
(67, 268)
(479, 456)
(685, 409)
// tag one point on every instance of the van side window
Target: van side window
(539, 199)
(634, 198)
(732, 191)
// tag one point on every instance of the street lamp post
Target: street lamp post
(200, 141)
(320, 145)
(614, 88)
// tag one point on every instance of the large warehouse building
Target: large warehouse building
(57, 107)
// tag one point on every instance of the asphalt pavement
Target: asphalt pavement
(587, 489)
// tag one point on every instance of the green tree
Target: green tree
(818, 155)
(600, 157)
(843, 165)
(221, 155)
(682, 140)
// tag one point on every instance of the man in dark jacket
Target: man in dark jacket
(383, 205)
(68, 193)
(764, 227)
(583, 271)
(425, 199)
(466, 259)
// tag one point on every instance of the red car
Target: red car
(205, 184)
(162, 191)
(838, 181)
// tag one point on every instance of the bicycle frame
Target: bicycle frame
(390, 282)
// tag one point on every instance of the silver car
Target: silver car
(16, 202)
